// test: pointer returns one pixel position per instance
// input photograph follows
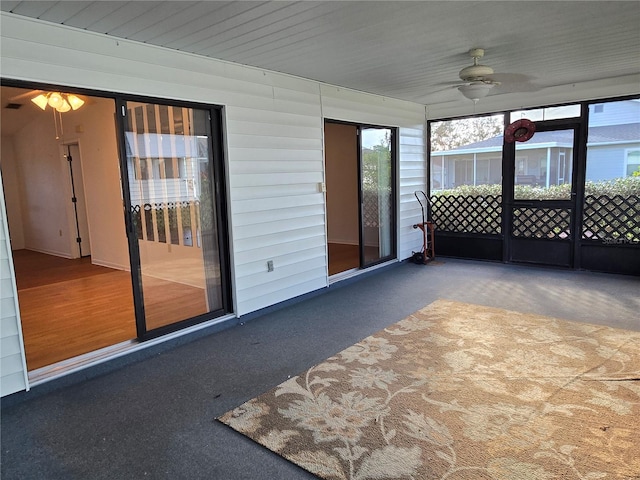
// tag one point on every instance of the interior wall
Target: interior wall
(13, 202)
(39, 179)
(93, 126)
(341, 178)
(43, 184)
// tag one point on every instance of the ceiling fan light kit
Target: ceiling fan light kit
(75, 102)
(476, 90)
(40, 101)
(61, 102)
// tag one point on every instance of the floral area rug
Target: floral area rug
(458, 391)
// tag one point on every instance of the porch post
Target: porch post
(548, 165)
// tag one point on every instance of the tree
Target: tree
(376, 164)
(450, 134)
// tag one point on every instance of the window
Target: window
(612, 189)
(466, 151)
(159, 168)
(466, 174)
(599, 108)
(463, 172)
(549, 113)
(633, 163)
(562, 167)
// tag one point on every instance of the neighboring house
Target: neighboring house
(613, 151)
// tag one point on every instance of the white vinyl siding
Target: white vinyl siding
(12, 357)
(412, 178)
(273, 128)
(275, 167)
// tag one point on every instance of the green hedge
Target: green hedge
(603, 219)
(620, 186)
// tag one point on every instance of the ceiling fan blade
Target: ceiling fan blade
(510, 78)
(515, 82)
(447, 85)
(448, 88)
(26, 95)
(518, 87)
(439, 95)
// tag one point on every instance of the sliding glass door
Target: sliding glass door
(360, 184)
(377, 194)
(174, 213)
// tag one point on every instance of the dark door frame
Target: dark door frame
(553, 252)
(218, 194)
(394, 225)
(394, 197)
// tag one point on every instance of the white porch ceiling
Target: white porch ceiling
(411, 50)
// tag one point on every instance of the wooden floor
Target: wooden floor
(343, 257)
(169, 302)
(71, 307)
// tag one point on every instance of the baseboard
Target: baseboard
(344, 242)
(49, 252)
(115, 266)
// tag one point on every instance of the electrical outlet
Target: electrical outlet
(270, 266)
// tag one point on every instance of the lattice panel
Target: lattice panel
(467, 214)
(375, 206)
(183, 217)
(613, 220)
(535, 222)
(136, 218)
(172, 211)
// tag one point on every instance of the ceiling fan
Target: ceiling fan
(480, 79)
(55, 101)
(477, 77)
(59, 101)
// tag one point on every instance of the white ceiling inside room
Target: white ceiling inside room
(411, 50)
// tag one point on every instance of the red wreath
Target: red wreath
(520, 131)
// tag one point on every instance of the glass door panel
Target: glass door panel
(545, 173)
(541, 212)
(377, 206)
(171, 188)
